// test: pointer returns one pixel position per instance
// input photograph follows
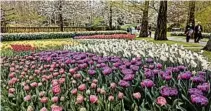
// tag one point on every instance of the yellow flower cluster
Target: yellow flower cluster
(41, 44)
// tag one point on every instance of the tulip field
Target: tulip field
(103, 73)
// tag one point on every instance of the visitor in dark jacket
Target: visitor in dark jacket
(198, 32)
(189, 31)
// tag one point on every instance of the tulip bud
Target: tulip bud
(120, 95)
(111, 98)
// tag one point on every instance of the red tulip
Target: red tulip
(74, 91)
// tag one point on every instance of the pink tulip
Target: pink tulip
(44, 109)
(55, 74)
(113, 85)
(74, 91)
(93, 85)
(78, 76)
(56, 108)
(42, 93)
(61, 80)
(44, 100)
(111, 98)
(161, 101)
(11, 90)
(55, 99)
(27, 98)
(102, 91)
(79, 99)
(61, 71)
(98, 90)
(11, 75)
(82, 87)
(72, 71)
(95, 81)
(93, 99)
(137, 95)
(56, 89)
(12, 69)
(55, 82)
(26, 88)
(34, 84)
(120, 95)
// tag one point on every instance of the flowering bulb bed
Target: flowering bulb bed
(171, 55)
(82, 81)
(114, 36)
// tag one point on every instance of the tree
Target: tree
(208, 46)
(191, 13)
(144, 24)
(160, 33)
(110, 16)
(60, 16)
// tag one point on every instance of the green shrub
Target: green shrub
(51, 35)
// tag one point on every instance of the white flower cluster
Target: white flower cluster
(174, 54)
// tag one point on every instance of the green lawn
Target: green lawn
(169, 42)
(191, 46)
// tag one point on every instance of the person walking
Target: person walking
(149, 31)
(198, 33)
(189, 31)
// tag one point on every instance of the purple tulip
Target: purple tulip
(149, 60)
(185, 76)
(181, 68)
(205, 87)
(107, 71)
(147, 83)
(199, 99)
(91, 72)
(159, 66)
(197, 79)
(148, 74)
(168, 91)
(134, 67)
(123, 83)
(128, 77)
(127, 71)
(195, 91)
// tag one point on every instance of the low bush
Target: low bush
(52, 35)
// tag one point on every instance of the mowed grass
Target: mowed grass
(191, 46)
(169, 42)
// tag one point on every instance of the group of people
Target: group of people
(138, 28)
(196, 31)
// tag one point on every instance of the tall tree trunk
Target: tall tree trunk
(160, 33)
(208, 46)
(61, 17)
(144, 24)
(191, 13)
(110, 17)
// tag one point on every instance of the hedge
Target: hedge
(52, 35)
(204, 35)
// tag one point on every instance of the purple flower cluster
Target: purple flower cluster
(199, 99)
(168, 91)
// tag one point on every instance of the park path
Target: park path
(183, 39)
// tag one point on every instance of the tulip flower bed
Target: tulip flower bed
(114, 36)
(66, 80)
(7, 48)
(169, 55)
